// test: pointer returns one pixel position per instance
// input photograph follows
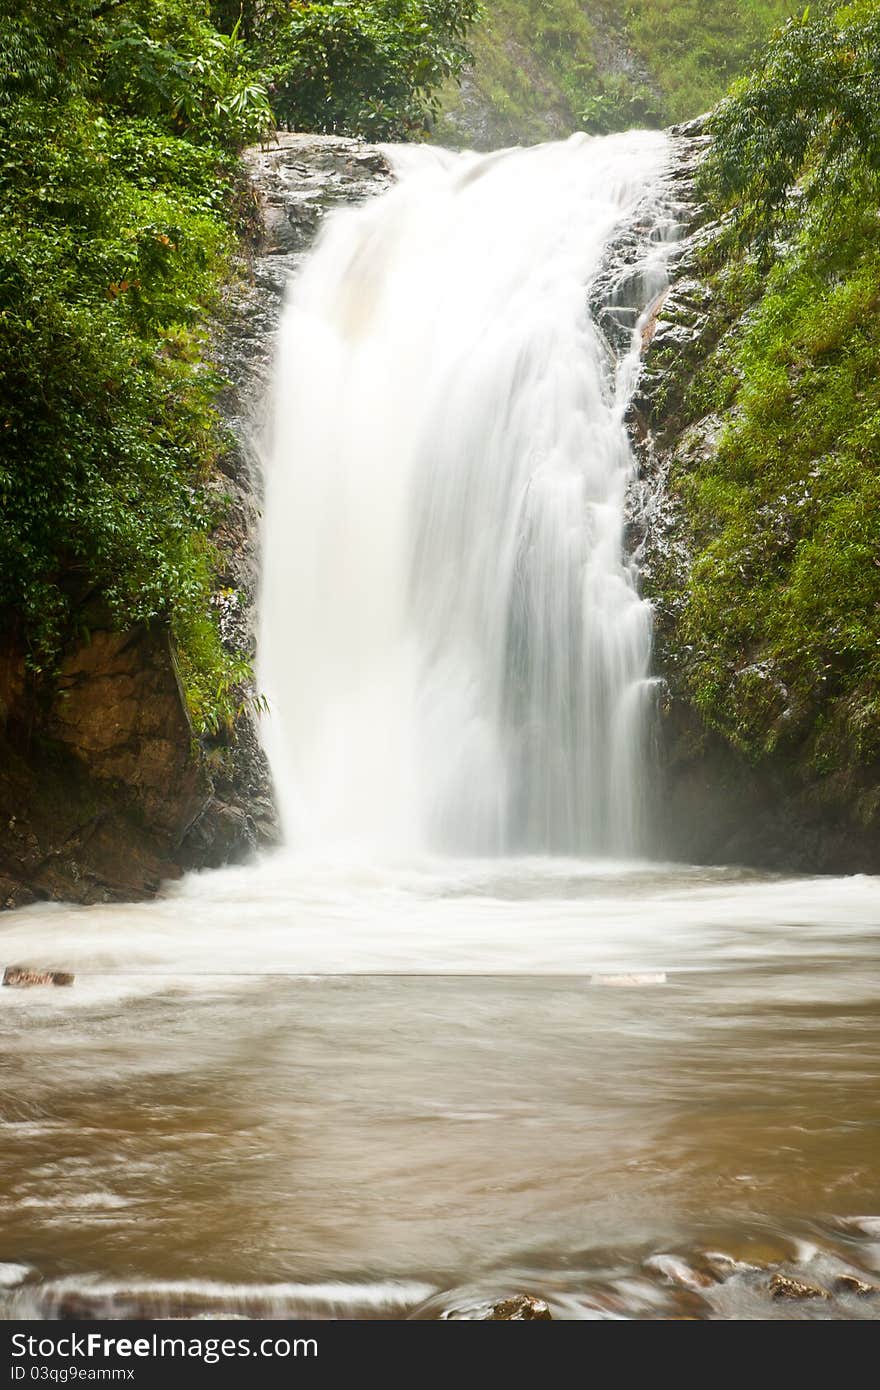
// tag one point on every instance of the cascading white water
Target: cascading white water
(452, 643)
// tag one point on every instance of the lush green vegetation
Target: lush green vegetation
(120, 122)
(117, 133)
(693, 49)
(782, 609)
(366, 67)
(545, 67)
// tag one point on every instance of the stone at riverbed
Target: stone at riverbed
(781, 1286)
(848, 1283)
(523, 1308)
(22, 977)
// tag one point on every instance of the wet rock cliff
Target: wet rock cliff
(711, 801)
(104, 790)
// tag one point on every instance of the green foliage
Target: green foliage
(781, 613)
(809, 115)
(217, 683)
(114, 237)
(694, 49)
(168, 62)
(547, 67)
(368, 69)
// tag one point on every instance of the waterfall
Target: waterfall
(452, 642)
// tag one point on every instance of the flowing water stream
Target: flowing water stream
(456, 1040)
(452, 641)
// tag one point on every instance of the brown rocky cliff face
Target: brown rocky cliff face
(104, 790)
(99, 778)
(119, 709)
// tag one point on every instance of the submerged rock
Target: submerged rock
(524, 1307)
(848, 1283)
(677, 1271)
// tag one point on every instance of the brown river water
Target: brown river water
(329, 1090)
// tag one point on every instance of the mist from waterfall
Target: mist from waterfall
(452, 643)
